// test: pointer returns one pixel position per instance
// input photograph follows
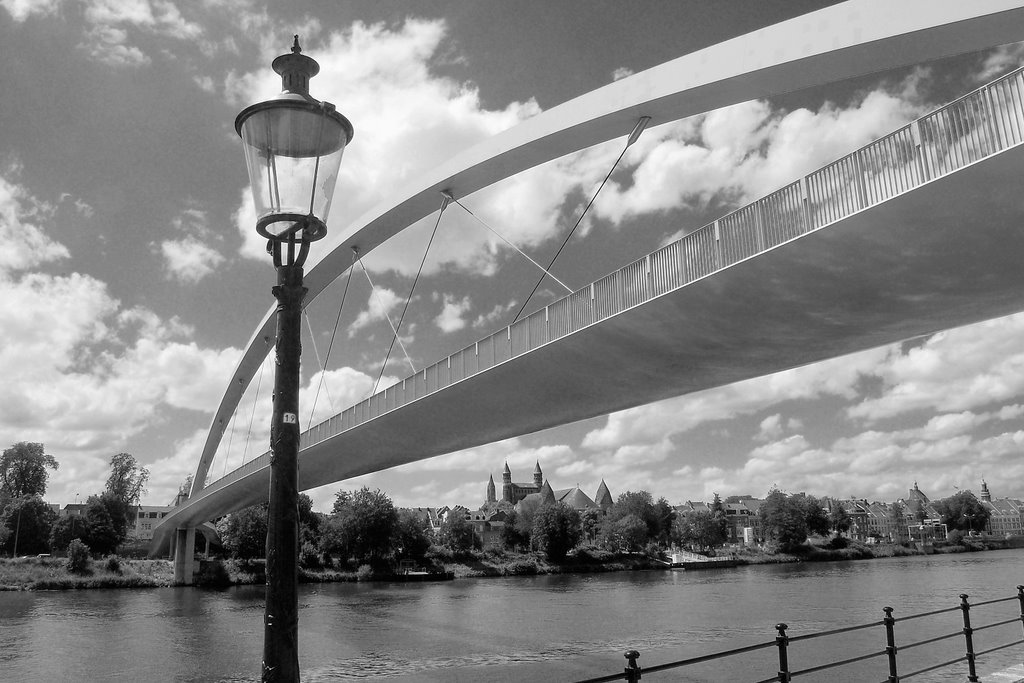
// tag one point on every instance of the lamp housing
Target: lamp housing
(293, 148)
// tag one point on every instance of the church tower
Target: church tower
(506, 484)
(538, 476)
(490, 490)
(603, 497)
(986, 497)
(547, 495)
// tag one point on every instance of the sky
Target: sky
(131, 275)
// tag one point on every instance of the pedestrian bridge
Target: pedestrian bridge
(915, 233)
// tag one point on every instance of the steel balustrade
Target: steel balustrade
(783, 642)
(982, 123)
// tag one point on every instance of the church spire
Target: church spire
(538, 476)
(491, 493)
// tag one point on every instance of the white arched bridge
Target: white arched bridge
(891, 242)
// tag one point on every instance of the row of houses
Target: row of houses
(914, 516)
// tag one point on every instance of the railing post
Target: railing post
(972, 674)
(632, 670)
(1020, 597)
(890, 644)
(783, 642)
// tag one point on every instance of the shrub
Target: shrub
(213, 573)
(364, 573)
(837, 543)
(113, 564)
(78, 557)
(309, 556)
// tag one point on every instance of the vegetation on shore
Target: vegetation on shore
(50, 573)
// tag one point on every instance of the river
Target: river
(546, 628)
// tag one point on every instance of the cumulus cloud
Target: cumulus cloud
(82, 372)
(452, 315)
(382, 301)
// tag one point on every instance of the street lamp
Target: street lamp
(293, 148)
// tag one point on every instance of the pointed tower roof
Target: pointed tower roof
(604, 496)
(536, 470)
(507, 470)
(547, 495)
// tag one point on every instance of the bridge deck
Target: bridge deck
(919, 232)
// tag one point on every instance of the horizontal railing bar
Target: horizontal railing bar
(708, 658)
(992, 602)
(997, 623)
(604, 679)
(773, 679)
(832, 665)
(904, 677)
(846, 629)
(998, 647)
(932, 640)
(927, 614)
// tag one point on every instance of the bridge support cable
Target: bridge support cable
(479, 220)
(373, 291)
(320, 363)
(231, 436)
(633, 137)
(330, 345)
(408, 300)
(255, 400)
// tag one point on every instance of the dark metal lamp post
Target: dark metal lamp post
(293, 148)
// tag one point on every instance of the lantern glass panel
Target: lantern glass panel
(293, 154)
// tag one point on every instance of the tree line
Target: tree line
(29, 526)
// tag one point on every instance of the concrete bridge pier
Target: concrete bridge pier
(184, 548)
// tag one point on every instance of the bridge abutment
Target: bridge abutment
(184, 542)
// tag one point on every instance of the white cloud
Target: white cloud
(382, 301)
(451, 318)
(956, 370)
(188, 259)
(20, 10)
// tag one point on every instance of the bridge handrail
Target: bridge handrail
(783, 640)
(979, 124)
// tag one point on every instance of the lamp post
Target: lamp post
(293, 147)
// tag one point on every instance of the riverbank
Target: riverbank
(50, 573)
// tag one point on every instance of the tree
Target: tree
(23, 469)
(244, 533)
(815, 517)
(412, 535)
(590, 523)
(963, 511)
(629, 533)
(29, 520)
(556, 530)
(67, 529)
(666, 514)
(361, 525)
(839, 518)
(512, 537)
(456, 532)
(639, 504)
(898, 521)
(783, 520)
(123, 490)
(702, 529)
(105, 532)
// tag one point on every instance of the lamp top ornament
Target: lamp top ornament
(293, 144)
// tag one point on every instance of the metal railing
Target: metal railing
(979, 124)
(786, 671)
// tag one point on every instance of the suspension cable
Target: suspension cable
(316, 352)
(633, 137)
(448, 196)
(231, 435)
(373, 290)
(408, 300)
(330, 346)
(255, 399)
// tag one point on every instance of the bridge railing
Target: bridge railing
(886, 652)
(979, 124)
